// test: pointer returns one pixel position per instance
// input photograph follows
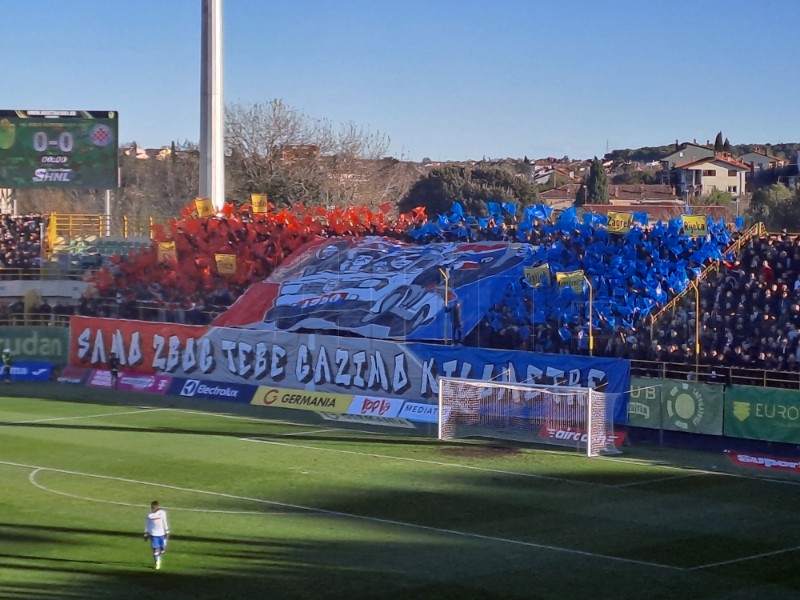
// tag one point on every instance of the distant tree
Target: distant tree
(437, 190)
(580, 196)
(715, 198)
(328, 168)
(651, 153)
(786, 214)
(633, 176)
(767, 204)
(726, 146)
(597, 184)
(718, 143)
(523, 168)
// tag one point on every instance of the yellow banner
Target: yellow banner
(571, 279)
(302, 400)
(538, 276)
(167, 252)
(226, 264)
(695, 225)
(204, 207)
(259, 203)
(620, 222)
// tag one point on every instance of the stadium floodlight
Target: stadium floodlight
(579, 417)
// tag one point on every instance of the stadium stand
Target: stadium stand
(748, 283)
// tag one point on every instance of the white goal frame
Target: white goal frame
(571, 416)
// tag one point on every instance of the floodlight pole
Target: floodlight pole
(591, 330)
(212, 109)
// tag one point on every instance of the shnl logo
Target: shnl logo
(190, 387)
(685, 406)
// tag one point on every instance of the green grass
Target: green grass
(271, 509)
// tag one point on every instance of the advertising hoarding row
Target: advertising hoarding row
(327, 364)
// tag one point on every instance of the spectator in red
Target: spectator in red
(767, 273)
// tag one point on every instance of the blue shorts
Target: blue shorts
(158, 541)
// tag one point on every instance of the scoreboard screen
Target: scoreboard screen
(59, 149)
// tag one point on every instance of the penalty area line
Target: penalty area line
(334, 513)
(77, 417)
(734, 561)
(34, 483)
(426, 462)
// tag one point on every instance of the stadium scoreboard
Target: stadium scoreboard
(59, 149)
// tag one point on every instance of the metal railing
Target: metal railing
(716, 373)
(64, 228)
(735, 247)
(45, 273)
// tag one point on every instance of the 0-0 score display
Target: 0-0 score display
(64, 143)
(58, 149)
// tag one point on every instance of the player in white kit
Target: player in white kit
(156, 529)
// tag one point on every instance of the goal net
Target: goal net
(562, 415)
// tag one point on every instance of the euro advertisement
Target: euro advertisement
(758, 413)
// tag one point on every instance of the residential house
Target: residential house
(163, 153)
(686, 153)
(760, 161)
(719, 172)
(642, 193)
(562, 196)
(291, 153)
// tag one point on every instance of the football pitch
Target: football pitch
(264, 508)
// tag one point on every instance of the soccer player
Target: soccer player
(113, 367)
(7, 365)
(156, 529)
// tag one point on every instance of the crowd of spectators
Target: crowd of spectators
(188, 288)
(749, 312)
(142, 286)
(35, 311)
(749, 307)
(20, 243)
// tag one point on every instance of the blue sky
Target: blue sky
(444, 79)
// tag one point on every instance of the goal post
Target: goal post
(578, 417)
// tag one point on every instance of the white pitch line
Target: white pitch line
(427, 462)
(744, 559)
(111, 414)
(32, 480)
(334, 513)
(643, 462)
(237, 417)
(656, 480)
(308, 432)
(352, 452)
(659, 465)
(269, 421)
